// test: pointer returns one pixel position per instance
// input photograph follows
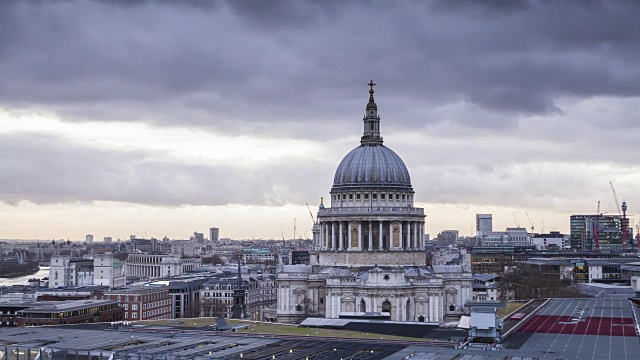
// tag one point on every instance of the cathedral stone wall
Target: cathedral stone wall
(383, 258)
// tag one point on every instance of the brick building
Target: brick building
(143, 303)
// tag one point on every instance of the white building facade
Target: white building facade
(371, 258)
(103, 269)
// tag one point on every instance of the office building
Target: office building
(214, 234)
(484, 224)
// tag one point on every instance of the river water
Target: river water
(24, 280)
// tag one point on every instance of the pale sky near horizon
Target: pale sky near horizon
(160, 118)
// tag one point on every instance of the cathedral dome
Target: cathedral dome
(372, 166)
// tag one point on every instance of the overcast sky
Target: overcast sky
(162, 118)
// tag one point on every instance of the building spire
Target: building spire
(371, 135)
(371, 103)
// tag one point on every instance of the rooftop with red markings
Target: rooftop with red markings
(593, 316)
(586, 326)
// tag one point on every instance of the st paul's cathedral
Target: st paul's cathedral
(370, 257)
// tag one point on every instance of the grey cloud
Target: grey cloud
(266, 65)
(44, 169)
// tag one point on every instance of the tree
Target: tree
(307, 308)
(215, 260)
(213, 307)
(527, 283)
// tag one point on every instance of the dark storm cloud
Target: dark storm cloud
(256, 65)
(45, 169)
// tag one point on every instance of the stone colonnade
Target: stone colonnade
(146, 270)
(372, 235)
(403, 308)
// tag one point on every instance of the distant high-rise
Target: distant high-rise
(214, 234)
(447, 237)
(198, 237)
(484, 224)
(88, 239)
(609, 234)
(108, 240)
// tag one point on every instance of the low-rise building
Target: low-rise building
(70, 312)
(185, 297)
(143, 303)
(485, 287)
(257, 256)
(512, 236)
(576, 269)
(103, 269)
(551, 241)
(154, 266)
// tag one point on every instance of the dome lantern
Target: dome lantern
(371, 135)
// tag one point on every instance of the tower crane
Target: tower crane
(515, 219)
(638, 235)
(311, 213)
(622, 211)
(597, 229)
(530, 223)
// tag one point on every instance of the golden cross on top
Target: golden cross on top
(371, 84)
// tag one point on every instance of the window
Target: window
(350, 196)
(366, 196)
(134, 315)
(126, 306)
(134, 307)
(386, 277)
(344, 197)
(402, 197)
(381, 196)
(397, 196)
(375, 196)
(357, 196)
(126, 315)
(321, 300)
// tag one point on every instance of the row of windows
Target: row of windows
(217, 294)
(147, 297)
(374, 197)
(155, 304)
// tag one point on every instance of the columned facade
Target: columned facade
(367, 234)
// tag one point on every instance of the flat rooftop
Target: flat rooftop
(560, 329)
(593, 328)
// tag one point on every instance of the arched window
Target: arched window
(363, 306)
(386, 306)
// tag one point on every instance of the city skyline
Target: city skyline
(157, 118)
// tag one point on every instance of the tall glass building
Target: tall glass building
(609, 230)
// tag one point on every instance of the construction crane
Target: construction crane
(622, 211)
(597, 229)
(311, 213)
(638, 235)
(515, 219)
(530, 223)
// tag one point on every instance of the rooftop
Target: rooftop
(68, 305)
(591, 328)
